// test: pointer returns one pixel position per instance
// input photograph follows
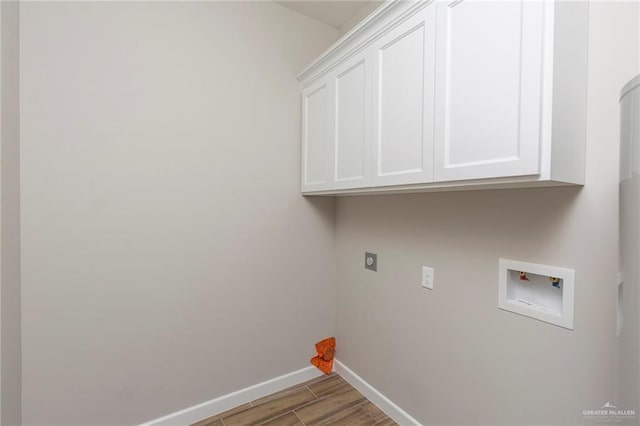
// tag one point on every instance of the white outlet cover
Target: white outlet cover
(427, 277)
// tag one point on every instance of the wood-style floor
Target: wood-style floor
(327, 400)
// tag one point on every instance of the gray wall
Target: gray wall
(10, 383)
(450, 356)
(368, 6)
(168, 257)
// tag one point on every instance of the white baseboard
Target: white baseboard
(372, 394)
(226, 402)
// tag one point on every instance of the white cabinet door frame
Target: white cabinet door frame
(403, 101)
(351, 141)
(317, 124)
(488, 98)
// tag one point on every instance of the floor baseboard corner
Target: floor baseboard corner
(226, 402)
(372, 394)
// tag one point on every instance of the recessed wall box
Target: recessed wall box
(542, 292)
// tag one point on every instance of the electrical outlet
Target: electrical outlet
(371, 261)
(427, 277)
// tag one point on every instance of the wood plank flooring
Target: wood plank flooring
(327, 400)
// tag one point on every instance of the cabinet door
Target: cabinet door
(316, 134)
(403, 99)
(352, 122)
(488, 89)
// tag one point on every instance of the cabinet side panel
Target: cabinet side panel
(570, 61)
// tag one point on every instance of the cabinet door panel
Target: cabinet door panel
(488, 89)
(316, 171)
(352, 123)
(403, 102)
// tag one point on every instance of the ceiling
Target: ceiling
(334, 12)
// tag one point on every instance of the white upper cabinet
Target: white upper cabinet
(489, 89)
(403, 76)
(429, 95)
